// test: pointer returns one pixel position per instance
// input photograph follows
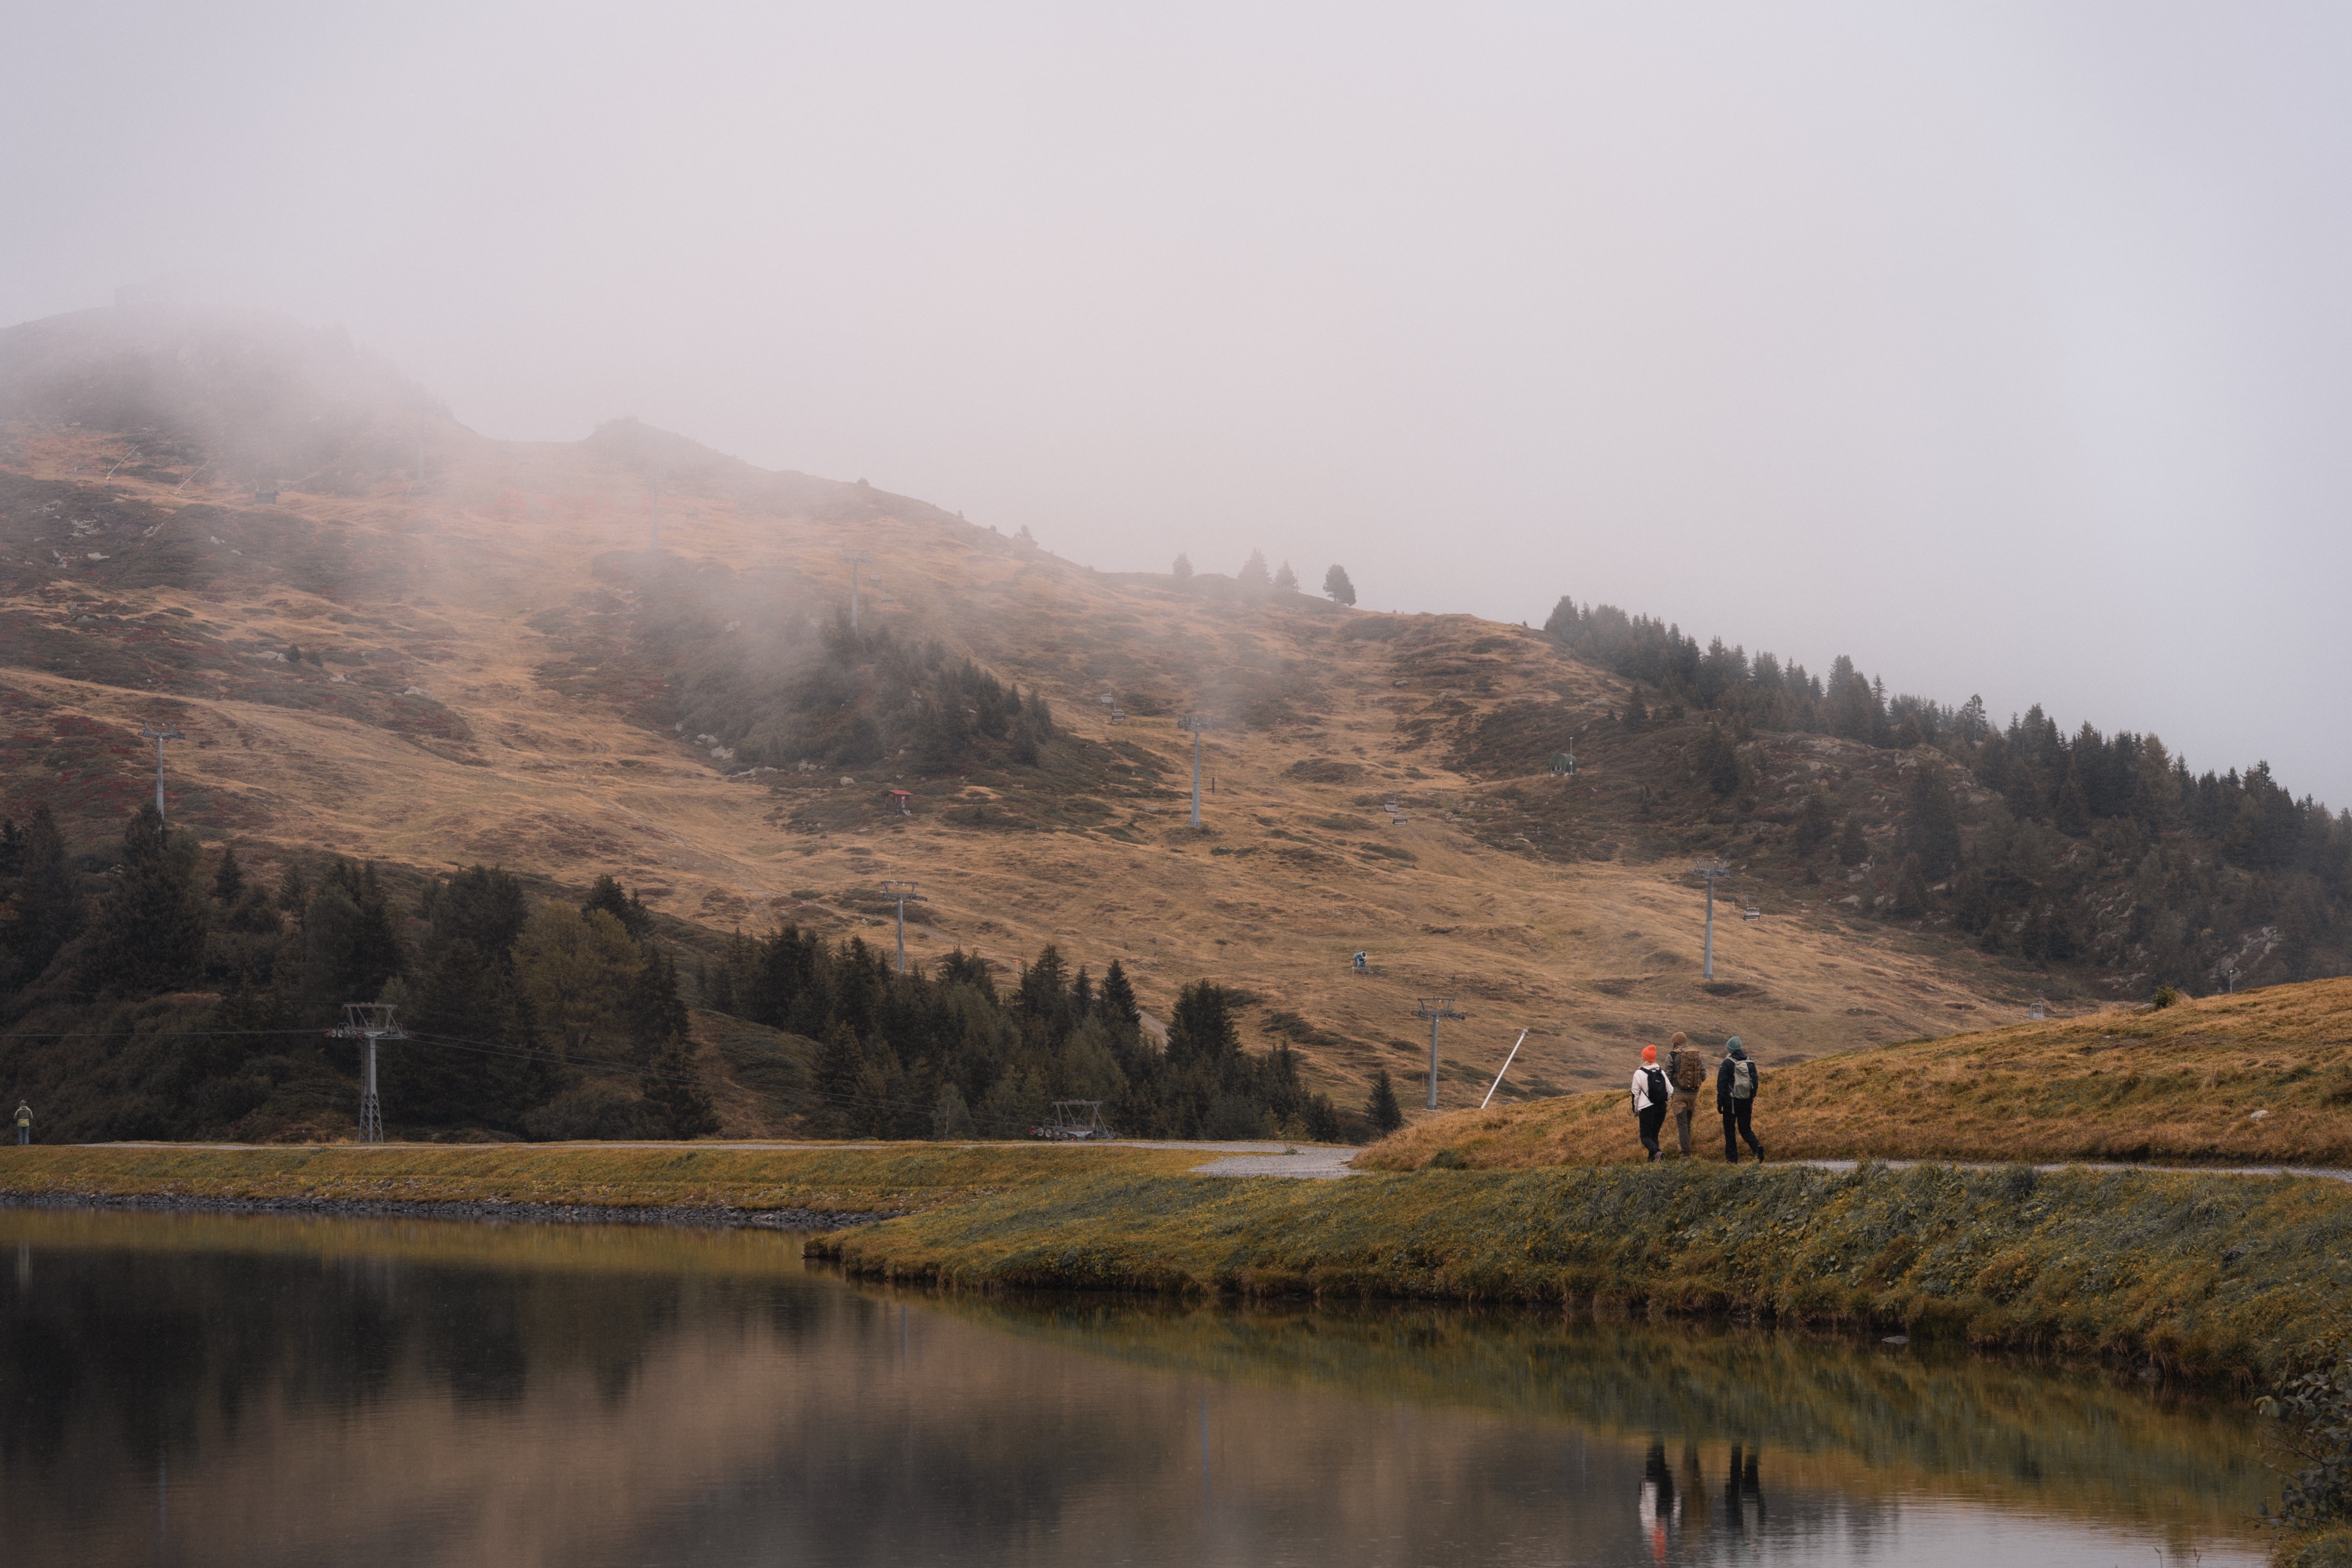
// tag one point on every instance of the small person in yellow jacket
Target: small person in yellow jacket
(24, 1123)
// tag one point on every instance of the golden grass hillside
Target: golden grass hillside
(2260, 1078)
(467, 692)
(486, 737)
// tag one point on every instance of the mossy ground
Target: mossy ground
(2203, 1276)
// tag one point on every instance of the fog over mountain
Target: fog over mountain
(2002, 348)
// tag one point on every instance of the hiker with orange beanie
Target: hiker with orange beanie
(1651, 1090)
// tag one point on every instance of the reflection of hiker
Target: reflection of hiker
(1650, 1092)
(24, 1123)
(1659, 1505)
(1735, 1098)
(1743, 1496)
(1687, 1070)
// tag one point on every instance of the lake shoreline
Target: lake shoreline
(688, 1216)
(2201, 1279)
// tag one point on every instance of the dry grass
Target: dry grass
(845, 1179)
(2211, 1276)
(555, 780)
(2182, 1084)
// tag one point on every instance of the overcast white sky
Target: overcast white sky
(2004, 347)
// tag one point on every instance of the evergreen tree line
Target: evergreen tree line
(2081, 848)
(551, 1021)
(853, 697)
(779, 687)
(945, 1054)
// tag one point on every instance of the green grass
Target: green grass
(2205, 1276)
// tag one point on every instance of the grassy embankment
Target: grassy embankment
(2181, 1084)
(2209, 1276)
(881, 1179)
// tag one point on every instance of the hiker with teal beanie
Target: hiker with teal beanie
(1735, 1098)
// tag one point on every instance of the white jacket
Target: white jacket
(1641, 1101)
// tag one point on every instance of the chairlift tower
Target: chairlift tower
(1437, 1010)
(1196, 723)
(1710, 870)
(902, 894)
(855, 560)
(168, 732)
(369, 1021)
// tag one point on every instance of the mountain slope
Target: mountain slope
(497, 663)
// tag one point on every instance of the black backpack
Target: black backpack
(1657, 1086)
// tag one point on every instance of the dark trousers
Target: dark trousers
(1736, 1127)
(1652, 1120)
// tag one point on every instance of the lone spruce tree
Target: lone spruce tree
(1386, 1114)
(150, 936)
(1336, 586)
(1286, 579)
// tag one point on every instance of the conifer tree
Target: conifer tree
(679, 1101)
(1933, 824)
(1119, 996)
(1182, 570)
(626, 907)
(150, 933)
(49, 910)
(2070, 814)
(654, 1014)
(1853, 848)
(1814, 823)
(1253, 573)
(1336, 586)
(229, 878)
(1286, 579)
(1201, 1028)
(838, 1064)
(1910, 889)
(1718, 761)
(1386, 1114)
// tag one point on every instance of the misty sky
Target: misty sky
(2005, 347)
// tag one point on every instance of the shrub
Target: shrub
(2317, 1409)
(2166, 996)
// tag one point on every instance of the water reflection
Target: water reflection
(267, 1391)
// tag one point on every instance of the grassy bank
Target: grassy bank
(880, 1178)
(2180, 1084)
(2208, 1276)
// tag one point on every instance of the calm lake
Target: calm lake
(267, 1391)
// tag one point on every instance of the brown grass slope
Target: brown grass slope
(475, 688)
(2260, 1078)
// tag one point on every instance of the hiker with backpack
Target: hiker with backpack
(1651, 1090)
(1687, 1070)
(1735, 1098)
